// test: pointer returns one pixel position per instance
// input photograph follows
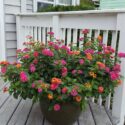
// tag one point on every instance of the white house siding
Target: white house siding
(29, 5)
(12, 7)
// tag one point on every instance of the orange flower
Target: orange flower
(92, 74)
(78, 98)
(88, 56)
(18, 65)
(99, 38)
(50, 96)
(101, 65)
(4, 63)
(119, 82)
(56, 81)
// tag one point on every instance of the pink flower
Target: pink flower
(26, 56)
(117, 68)
(47, 52)
(33, 85)
(65, 48)
(64, 90)
(107, 69)
(64, 71)
(57, 107)
(85, 31)
(36, 54)
(63, 62)
(40, 90)
(26, 50)
(50, 43)
(54, 86)
(51, 33)
(114, 75)
(73, 72)
(3, 70)
(121, 55)
(23, 77)
(80, 72)
(74, 92)
(91, 51)
(29, 37)
(35, 61)
(32, 68)
(56, 47)
(81, 61)
(81, 39)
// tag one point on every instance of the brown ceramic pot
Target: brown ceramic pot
(68, 114)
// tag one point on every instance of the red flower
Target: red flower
(36, 54)
(85, 31)
(100, 89)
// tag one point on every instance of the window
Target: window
(46, 3)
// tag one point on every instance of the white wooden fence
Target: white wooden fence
(68, 26)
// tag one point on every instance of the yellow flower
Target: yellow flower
(88, 85)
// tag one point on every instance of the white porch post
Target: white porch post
(35, 5)
(56, 28)
(23, 6)
(119, 97)
(2, 32)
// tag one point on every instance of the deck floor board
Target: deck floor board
(24, 112)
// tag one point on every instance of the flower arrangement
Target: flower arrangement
(61, 73)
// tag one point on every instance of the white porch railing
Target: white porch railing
(68, 26)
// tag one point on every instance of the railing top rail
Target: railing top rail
(107, 11)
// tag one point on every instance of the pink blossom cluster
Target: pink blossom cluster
(65, 48)
(57, 107)
(114, 75)
(50, 33)
(64, 90)
(85, 31)
(81, 61)
(62, 62)
(55, 46)
(3, 70)
(81, 39)
(35, 54)
(54, 86)
(121, 55)
(26, 56)
(91, 51)
(23, 77)
(74, 92)
(108, 49)
(117, 68)
(32, 68)
(26, 49)
(47, 52)
(64, 71)
(74, 72)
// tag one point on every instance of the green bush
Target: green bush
(66, 8)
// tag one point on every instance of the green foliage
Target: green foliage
(67, 8)
(61, 73)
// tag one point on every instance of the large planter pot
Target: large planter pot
(68, 114)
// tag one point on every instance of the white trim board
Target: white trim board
(2, 32)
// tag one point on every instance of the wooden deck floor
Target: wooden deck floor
(23, 112)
